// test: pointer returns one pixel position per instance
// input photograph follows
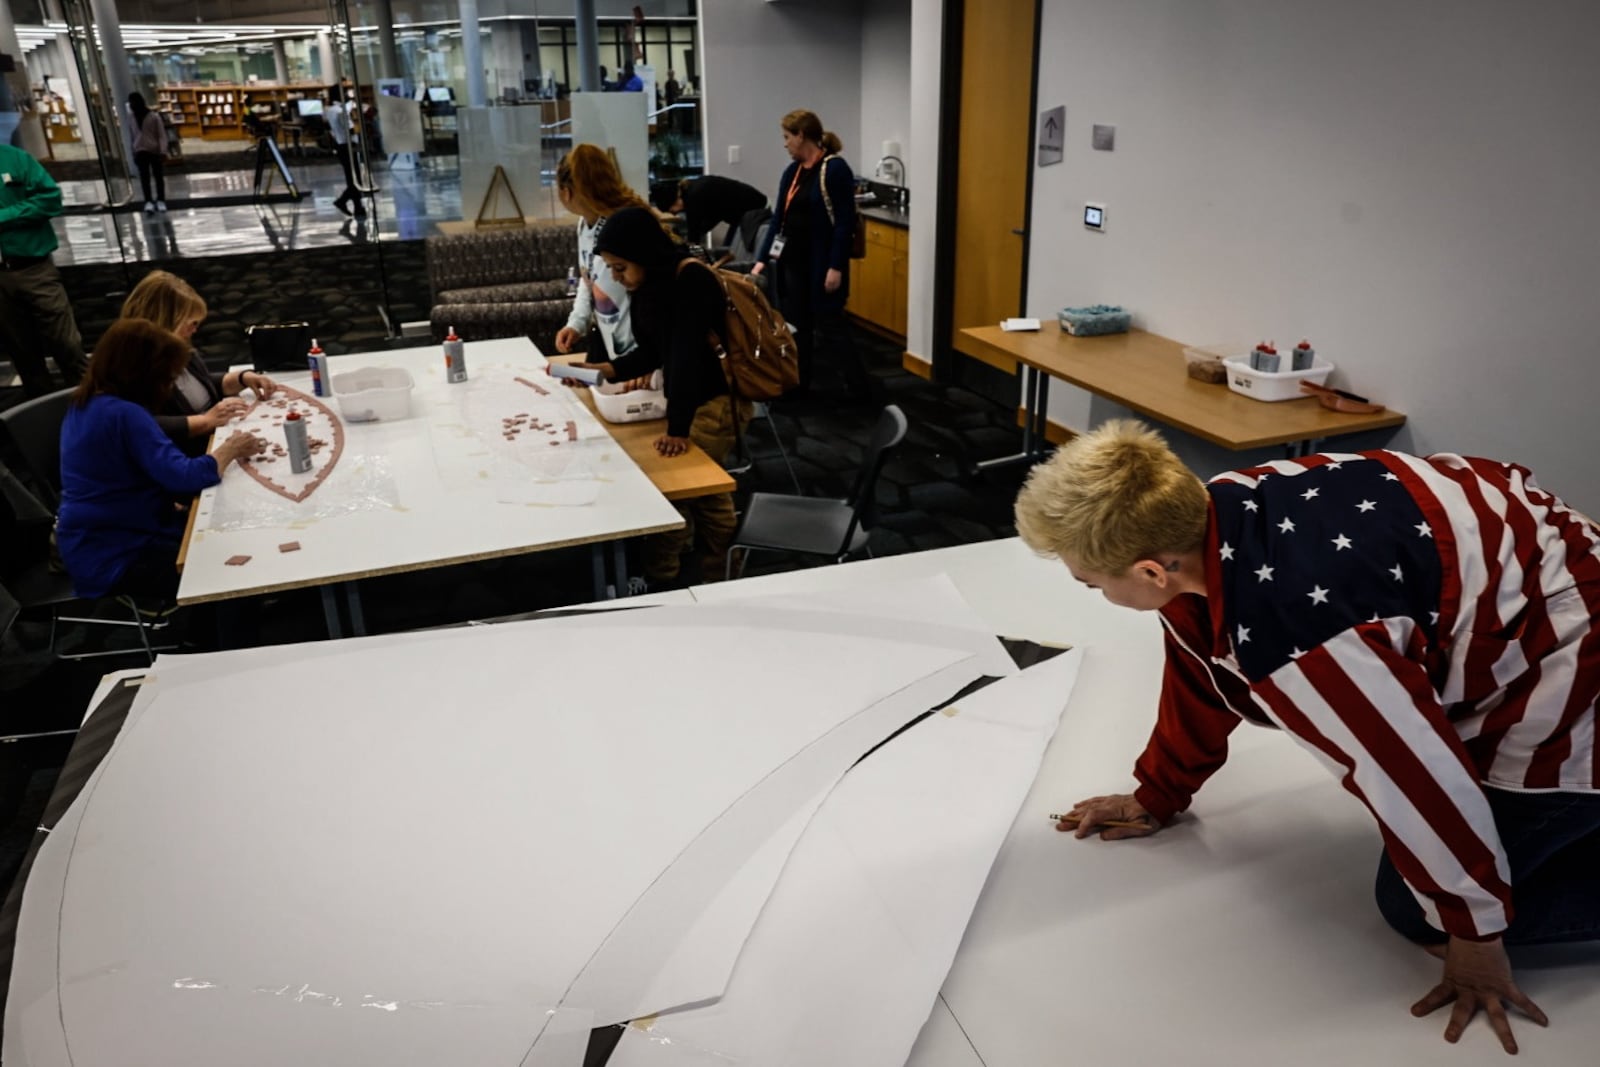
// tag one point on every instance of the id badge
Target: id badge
(777, 246)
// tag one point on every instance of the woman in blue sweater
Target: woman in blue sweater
(123, 481)
(807, 248)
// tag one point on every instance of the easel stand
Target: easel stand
(269, 164)
(488, 211)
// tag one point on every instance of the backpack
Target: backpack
(759, 356)
(858, 237)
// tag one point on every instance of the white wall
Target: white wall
(922, 163)
(763, 60)
(1411, 186)
(885, 81)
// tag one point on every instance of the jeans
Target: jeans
(709, 519)
(152, 163)
(36, 321)
(1552, 844)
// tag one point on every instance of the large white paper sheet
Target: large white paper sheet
(286, 883)
(846, 960)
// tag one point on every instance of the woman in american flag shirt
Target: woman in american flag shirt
(1426, 628)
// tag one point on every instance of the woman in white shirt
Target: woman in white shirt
(590, 187)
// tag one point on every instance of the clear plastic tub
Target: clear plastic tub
(374, 394)
(1284, 385)
(1205, 362)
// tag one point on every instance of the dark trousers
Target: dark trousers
(1552, 844)
(36, 321)
(152, 578)
(152, 163)
(816, 328)
(350, 194)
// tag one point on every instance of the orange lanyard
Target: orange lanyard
(794, 187)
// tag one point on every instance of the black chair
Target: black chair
(743, 459)
(814, 526)
(25, 563)
(279, 345)
(34, 429)
(32, 584)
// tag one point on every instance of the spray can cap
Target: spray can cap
(293, 416)
(314, 346)
(1303, 344)
(452, 335)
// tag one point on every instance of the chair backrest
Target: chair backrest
(886, 437)
(278, 345)
(9, 610)
(34, 427)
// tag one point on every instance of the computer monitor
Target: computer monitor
(308, 108)
(440, 94)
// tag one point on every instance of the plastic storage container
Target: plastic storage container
(1206, 362)
(1284, 385)
(374, 394)
(1094, 320)
(614, 405)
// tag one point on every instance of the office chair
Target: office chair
(814, 526)
(34, 428)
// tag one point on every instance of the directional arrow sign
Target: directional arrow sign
(1052, 135)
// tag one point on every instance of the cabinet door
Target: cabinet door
(869, 284)
(899, 293)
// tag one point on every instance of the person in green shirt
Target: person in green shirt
(35, 315)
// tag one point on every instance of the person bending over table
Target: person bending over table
(677, 302)
(708, 200)
(200, 402)
(123, 481)
(1426, 628)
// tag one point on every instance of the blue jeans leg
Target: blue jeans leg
(1552, 843)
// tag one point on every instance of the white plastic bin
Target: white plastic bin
(374, 394)
(1284, 385)
(616, 406)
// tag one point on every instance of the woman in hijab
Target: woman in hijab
(676, 303)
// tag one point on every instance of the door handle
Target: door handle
(1020, 233)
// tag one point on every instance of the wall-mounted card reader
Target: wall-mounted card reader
(1094, 217)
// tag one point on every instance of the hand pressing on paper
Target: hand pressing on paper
(669, 445)
(1477, 977)
(219, 414)
(1115, 817)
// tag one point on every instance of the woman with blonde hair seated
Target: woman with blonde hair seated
(200, 402)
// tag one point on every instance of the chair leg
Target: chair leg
(784, 452)
(144, 635)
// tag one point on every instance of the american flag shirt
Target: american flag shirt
(1424, 627)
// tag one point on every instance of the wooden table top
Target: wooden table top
(682, 477)
(1146, 373)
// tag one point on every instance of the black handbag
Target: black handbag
(279, 345)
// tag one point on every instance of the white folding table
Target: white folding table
(439, 521)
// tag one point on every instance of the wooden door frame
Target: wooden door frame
(944, 356)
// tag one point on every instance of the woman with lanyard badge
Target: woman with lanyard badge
(809, 244)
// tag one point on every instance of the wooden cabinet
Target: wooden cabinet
(878, 283)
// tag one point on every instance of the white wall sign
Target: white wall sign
(1052, 135)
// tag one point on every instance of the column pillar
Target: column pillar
(588, 46)
(327, 57)
(472, 55)
(280, 61)
(119, 78)
(388, 55)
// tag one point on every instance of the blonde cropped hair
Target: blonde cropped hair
(1110, 498)
(164, 299)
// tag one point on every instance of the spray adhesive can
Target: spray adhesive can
(455, 358)
(294, 430)
(1304, 356)
(317, 360)
(572, 282)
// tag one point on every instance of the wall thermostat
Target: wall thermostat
(1094, 217)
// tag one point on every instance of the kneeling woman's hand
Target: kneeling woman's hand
(669, 445)
(237, 447)
(220, 414)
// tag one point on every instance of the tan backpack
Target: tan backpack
(760, 358)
